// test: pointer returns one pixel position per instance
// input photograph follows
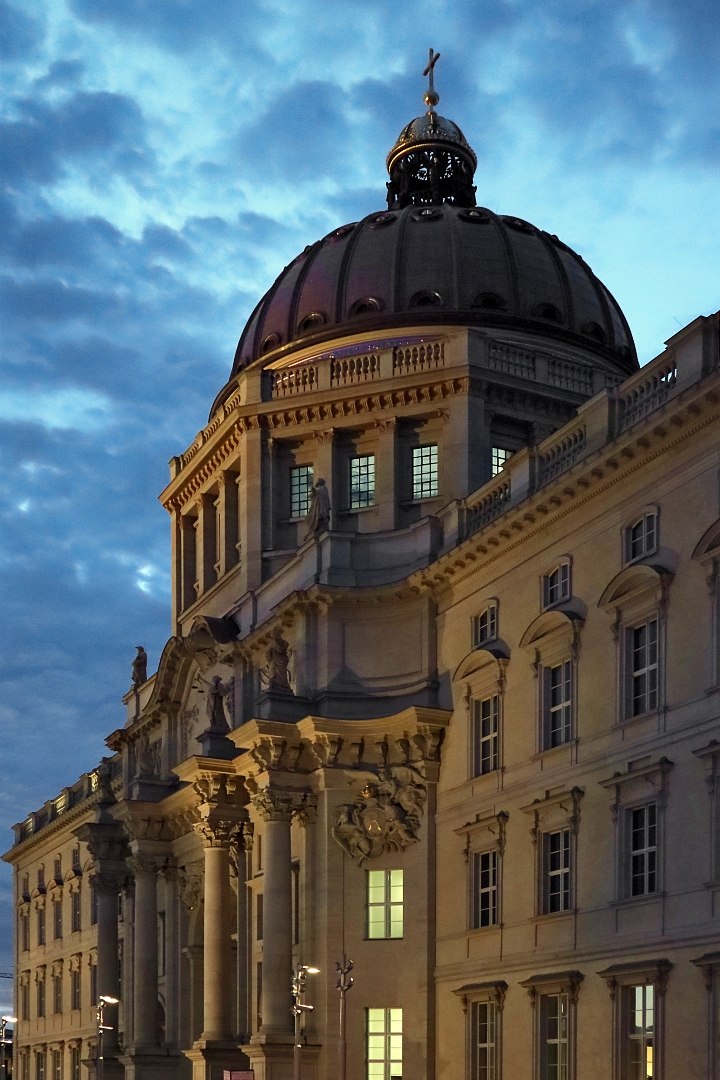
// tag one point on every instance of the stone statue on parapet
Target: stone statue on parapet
(318, 519)
(217, 694)
(139, 667)
(276, 673)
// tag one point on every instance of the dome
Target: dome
(435, 265)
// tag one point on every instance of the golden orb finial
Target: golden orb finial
(430, 97)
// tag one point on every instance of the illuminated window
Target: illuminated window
(362, 481)
(384, 903)
(425, 472)
(499, 457)
(384, 1044)
(640, 1021)
(301, 482)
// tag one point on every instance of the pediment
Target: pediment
(708, 546)
(634, 580)
(550, 622)
(479, 658)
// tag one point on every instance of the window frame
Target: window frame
(296, 471)
(361, 503)
(497, 464)
(388, 1048)
(492, 739)
(643, 783)
(619, 978)
(650, 671)
(491, 610)
(388, 905)
(555, 814)
(75, 911)
(650, 536)
(565, 708)
(477, 890)
(563, 873)
(472, 996)
(417, 472)
(563, 569)
(541, 988)
(487, 834)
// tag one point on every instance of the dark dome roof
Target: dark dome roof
(440, 264)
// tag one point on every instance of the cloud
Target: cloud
(19, 33)
(82, 410)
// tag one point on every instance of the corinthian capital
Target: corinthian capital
(278, 804)
(143, 864)
(217, 832)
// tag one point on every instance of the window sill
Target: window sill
(632, 901)
(555, 916)
(480, 930)
(628, 721)
(552, 750)
(417, 502)
(640, 558)
(359, 510)
(383, 938)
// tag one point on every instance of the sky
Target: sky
(163, 160)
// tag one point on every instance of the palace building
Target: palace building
(442, 695)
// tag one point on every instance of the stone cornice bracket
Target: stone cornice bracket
(283, 804)
(495, 991)
(325, 436)
(495, 824)
(709, 964)
(566, 982)
(566, 801)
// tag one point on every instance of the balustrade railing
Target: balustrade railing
(295, 380)
(354, 369)
(556, 459)
(487, 508)
(648, 394)
(410, 358)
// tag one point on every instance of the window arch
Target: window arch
(485, 625)
(556, 584)
(641, 535)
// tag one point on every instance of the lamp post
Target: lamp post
(298, 989)
(103, 1001)
(4, 1021)
(344, 983)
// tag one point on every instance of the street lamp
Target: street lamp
(103, 1001)
(4, 1021)
(344, 983)
(298, 989)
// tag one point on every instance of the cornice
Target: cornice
(55, 826)
(690, 412)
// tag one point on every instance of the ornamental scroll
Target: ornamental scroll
(385, 816)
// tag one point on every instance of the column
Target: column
(206, 542)
(108, 967)
(251, 500)
(177, 569)
(189, 560)
(386, 474)
(276, 808)
(145, 967)
(227, 523)
(242, 1023)
(172, 956)
(217, 974)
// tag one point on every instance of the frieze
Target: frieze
(385, 816)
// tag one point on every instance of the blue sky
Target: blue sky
(162, 160)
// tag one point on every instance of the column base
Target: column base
(113, 1068)
(210, 1059)
(148, 1062)
(273, 1060)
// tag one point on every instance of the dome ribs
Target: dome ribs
(562, 276)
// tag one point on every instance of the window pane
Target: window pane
(301, 482)
(362, 481)
(425, 472)
(499, 457)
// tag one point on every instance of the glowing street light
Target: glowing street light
(4, 1021)
(298, 990)
(103, 1001)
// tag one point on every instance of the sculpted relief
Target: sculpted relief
(385, 816)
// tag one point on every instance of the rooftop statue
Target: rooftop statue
(139, 667)
(318, 519)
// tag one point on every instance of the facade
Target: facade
(441, 695)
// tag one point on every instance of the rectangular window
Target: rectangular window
(93, 984)
(486, 625)
(57, 919)
(57, 1065)
(75, 910)
(643, 643)
(74, 1063)
(499, 457)
(384, 1044)
(93, 905)
(76, 858)
(485, 735)
(57, 993)
(25, 1066)
(483, 1050)
(557, 585)
(58, 869)
(161, 936)
(41, 878)
(41, 997)
(25, 1001)
(554, 1041)
(556, 863)
(25, 932)
(558, 705)
(425, 472)
(642, 826)
(75, 1000)
(384, 904)
(640, 1026)
(41, 926)
(362, 481)
(258, 993)
(484, 889)
(40, 1065)
(301, 482)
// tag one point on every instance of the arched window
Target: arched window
(557, 584)
(485, 625)
(641, 535)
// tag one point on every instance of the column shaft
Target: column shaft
(108, 970)
(277, 935)
(218, 945)
(145, 981)
(243, 1028)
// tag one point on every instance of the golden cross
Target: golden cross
(430, 97)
